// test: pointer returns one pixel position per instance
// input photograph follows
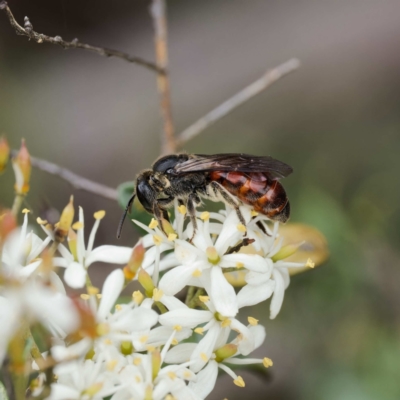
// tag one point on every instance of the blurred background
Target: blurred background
(336, 121)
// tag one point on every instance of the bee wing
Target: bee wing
(234, 162)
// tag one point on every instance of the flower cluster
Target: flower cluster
(100, 346)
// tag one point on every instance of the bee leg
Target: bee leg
(160, 214)
(192, 201)
(262, 227)
(228, 198)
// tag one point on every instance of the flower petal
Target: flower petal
(279, 292)
(75, 275)
(206, 379)
(246, 343)
(111, 289)
(185, 317)
(180, 353)
(176, 279)
(250, 295)
(222, 294)
(252, 262)
(109, 254)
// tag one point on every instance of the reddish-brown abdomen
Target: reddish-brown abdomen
(256, 189)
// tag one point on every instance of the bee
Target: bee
(233, 178)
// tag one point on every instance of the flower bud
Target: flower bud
(134, 263)
(4, 153)
(7, 224)
(286, 251)
(226, 351)
(67, 216)
(22, 170)
(145, 280)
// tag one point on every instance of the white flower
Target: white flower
(77, 262)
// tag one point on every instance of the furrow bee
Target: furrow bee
(234, 178)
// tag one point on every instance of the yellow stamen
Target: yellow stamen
(172, 375)
(196, 273)
(204, 299)
(99, 214)
(137, 296)
(102, 329)
(177, 328)
(77, 225)
(93, 389)
(99, 295)
(118, 307)
(199, 330)
(138, 378)
(187, 374)
(143, 339)
(41, 221)
(239, 264)
(267, 362)
(225, 323)
(26, 211)
(205, 216)
(239, 382)
(204, 357)
(153, 224)
(241, 228)
(174, 342)
(157, 294)
(254, 213)
(157, 240)
(172, 237)
(150, 349)
(85, 296)
(310, 263)
(111, 365)
(108, 342)
(252, 321)
(137, 361)
(182, 209)
(92, 290)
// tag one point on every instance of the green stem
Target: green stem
(195, 301)
(190, 294)
(18, 200)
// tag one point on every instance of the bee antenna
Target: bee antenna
(127, 209)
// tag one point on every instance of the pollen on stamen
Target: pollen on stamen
(84, 296)
(92, 290)
(225, 323)
(41, 221)
(187, 374)
(199, 330)
(204, 299)
(153, 223)
(239, 382)
(241, 228)
(137, 361)
(157, 294)
(204, 357)
(205, 216)
(254, 213)
(150, 349)
(196, 273)
(177, 328)
(99, 214)
(310, 263)
(157, 240)
(26, 211)
(77, 225)
(174, 342)
(239, 264)
(118, 307)
(172, 237)
(111, 365)
(172, 375)
(137, 296)
(99, 295)
(267, 362)
(252, 321)
(143, 339)
(182, 209)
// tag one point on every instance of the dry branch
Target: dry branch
(28, 31)
(238, 99)
(76, 181)
(158, 13)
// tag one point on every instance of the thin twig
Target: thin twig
(238, 99)
(28, 31)
(158, 13)
(77, 181)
